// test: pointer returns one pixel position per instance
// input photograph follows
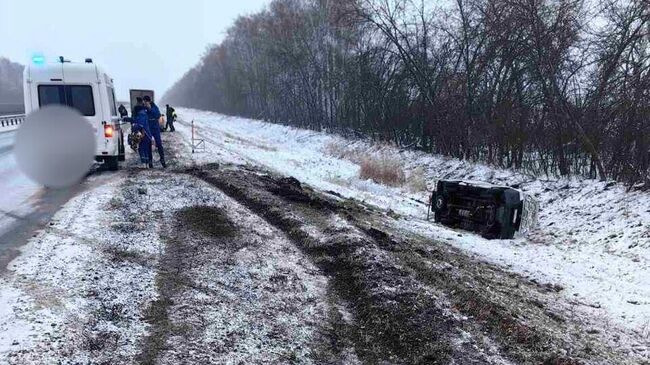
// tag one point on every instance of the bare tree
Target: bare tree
(529, 84)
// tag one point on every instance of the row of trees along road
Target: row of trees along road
(548, 86)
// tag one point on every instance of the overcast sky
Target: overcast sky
(142, 44)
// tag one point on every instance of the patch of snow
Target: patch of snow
(15, 330)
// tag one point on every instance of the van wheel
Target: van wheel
(120, 148)
(112, 163)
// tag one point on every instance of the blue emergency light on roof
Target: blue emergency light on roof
(38, 59)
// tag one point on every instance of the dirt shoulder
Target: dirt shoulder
(233, 289)
(415, 300)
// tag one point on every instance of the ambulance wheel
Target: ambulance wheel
(120, 149)
(112, 163)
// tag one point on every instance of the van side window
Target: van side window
(79, 97)
(111, 100)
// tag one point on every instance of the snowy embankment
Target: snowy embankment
(593, 238)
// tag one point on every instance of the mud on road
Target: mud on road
(412, 300)
(231, 289)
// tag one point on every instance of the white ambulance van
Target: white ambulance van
(86, 88)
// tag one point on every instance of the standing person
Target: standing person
(154, 126)
(122, 111)
(141, 124)
(138, 102)
(171, 114)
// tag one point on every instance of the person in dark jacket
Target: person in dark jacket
(138, 102)
(170, 117)
(122, 111)
(141, 124)
(154, 126)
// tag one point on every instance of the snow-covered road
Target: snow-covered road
(15, 186)
(17, 192)
(25, 206)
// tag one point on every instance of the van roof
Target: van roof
(67, 72)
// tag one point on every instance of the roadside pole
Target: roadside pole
(196, 143)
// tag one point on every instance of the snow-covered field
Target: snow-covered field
(593, 238)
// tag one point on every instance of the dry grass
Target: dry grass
(340, 150)
(379, 166)
(383, 170)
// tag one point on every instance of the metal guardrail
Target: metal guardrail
(11, 120)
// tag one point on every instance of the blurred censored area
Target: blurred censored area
(55, 146)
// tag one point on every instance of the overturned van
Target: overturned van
(496, 212)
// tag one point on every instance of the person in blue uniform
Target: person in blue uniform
(154, 126)
(141, 124)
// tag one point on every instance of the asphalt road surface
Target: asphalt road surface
(25, 206)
